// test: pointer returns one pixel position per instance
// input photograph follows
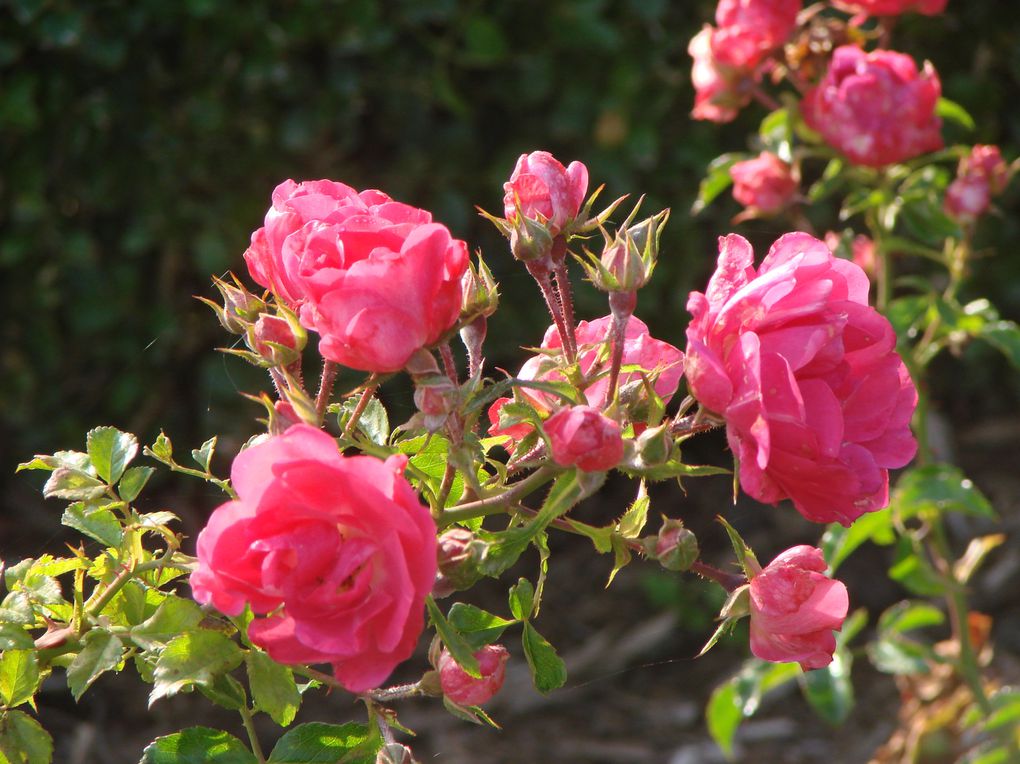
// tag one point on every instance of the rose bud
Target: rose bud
(655, 445)
(466, 690)
(764, 185)
(277, 340)
(435, 398)
(542, 189)
(458, 554)
(582, 436)
(987, 162)
(794, 609)
(968, 198)
(240, 307)
(676, 548)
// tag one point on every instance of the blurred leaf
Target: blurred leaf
(320, 743)
(102, 652)
(724, 716)
(975, 554)
(1004, 335)
(829, 690)
(938, 488)
(739, 698)
(23, 740)
(197, 745)
(839, 542)
(717, 179)
(547, 668)
(896, 655)
(912, 569)
(110, 451)
(832, 180)
(908, 615)
(953, 112)
(272, 687)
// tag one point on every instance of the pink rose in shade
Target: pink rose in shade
(581, 436)
(338, 549)
(876, 107)
(661, 362)
(375, 278)
(545, 188)
(893, 7)
(816, 401)
(764, 184)
(986, 162)
(466, 690)
(749, 30)
(794, 609)
(982, 174)
(720, 90)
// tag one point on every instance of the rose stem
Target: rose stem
(540, 272)
(559, 258)
(366, 395)
(329, 372)
(492, 505)
(622, 306)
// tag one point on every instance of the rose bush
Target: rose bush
(794, 609)
(545, 188)
(876, 108)
(377, 279)
(764, 184)
(816, 401)
(582, 436)
(338, 550)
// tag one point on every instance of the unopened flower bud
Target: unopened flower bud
(395, 753)
(458, 555)
(466, 690)
(435, 397)
(278, 340)
(629, 258)
(655, 445)
(676, 548)
(240, 307)
(530, 240)
(421, 364)
(480, 290)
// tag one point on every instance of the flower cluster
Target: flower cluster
(981, 175)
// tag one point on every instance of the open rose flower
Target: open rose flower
(720, 90)
(466, 690)
(982, 174)
(816, 401)
(764, 184)
(337, 548)
(794, 609)
(584, 437)
(893, 7)
(876, 108)
(545, 188)
(662, 363)
(748, 30)
(375, 278)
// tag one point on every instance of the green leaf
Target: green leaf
(740, 697)
(173, 617)
(374, 422)
(162, 450)
(197, 745)
(1005, 710)
(19, 677)
(193, 658)
(938, 488)
(102, 652)
(953, 112)
(17, 608)
(897, 655)
(23, 740)
(459, 647)
(320, 743)
(72, 485)
(601, 538)
(908, 615)
(1005, 336)
(110, 451)
(839, 542)
(203, 455)
(522, 599)
(133, 482)
(14, 637)
(96, 522)
(832, 179)
(748, 562)
(225, 691)
(478, 627)
(724, 716)
(717, 179)
(911, 568)
(547, 668)
(272, 687)
(621, 557)
(634, 519)
(829, 690)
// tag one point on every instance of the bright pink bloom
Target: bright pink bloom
(545, 188)
(794, 609)
(986, 162)
(466, 690)
(375, 278)
(338, 548)
(981, 174)
(764, 184)
(817, 403)
(661, 362)
(876, 107)
(893, 7)
(582, 436)
(749, 30)
(720, 90)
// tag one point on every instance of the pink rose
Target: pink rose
(749, 30)
(876, 107)
(720, 90)
(893, 7)
(466, 690)
(817, 403)
(375, 278)
(861, 251)
(582, 436)
(795, 608)
(338, 548)
(764, 184)
(544, 188)
(980, 175)
(986, 162)
(662, 363)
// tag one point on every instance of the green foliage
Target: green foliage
(319, 743)
(23, 740)
(272, 687)
(197, 745)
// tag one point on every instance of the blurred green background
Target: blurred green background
(140, 142)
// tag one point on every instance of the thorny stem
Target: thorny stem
(540, 272)
(449, 366)
(397, 692)
(622, 305)
(559, 258)
(329, 372)
(279, 382)
(319, 676)
(493, 505)
(366, 395)
(249, 727)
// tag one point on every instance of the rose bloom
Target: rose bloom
(466, 690)
(337, 548)
(876, 107)
(893, 7)
(986, 162)
(584, 437)
(748, 30)
(980, 175)
(375, 278)
(764, 184)
(544, 187)
(662, 362)
(794, 609)
(816, 401)
(720, 90)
